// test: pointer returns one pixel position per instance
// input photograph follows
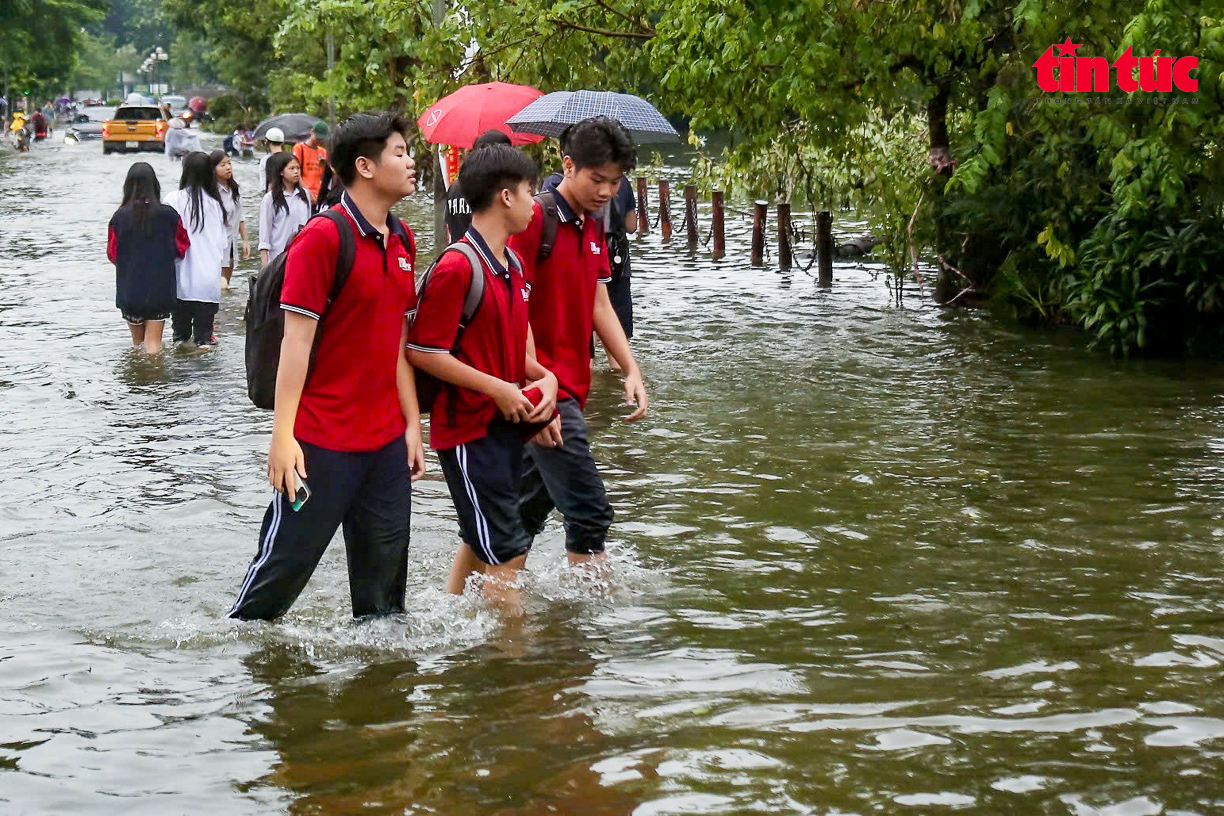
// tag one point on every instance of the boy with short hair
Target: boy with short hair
(353, 427)
(569, 299)
(478, 419)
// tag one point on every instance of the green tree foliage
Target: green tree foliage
(922, 116)
(41, 37)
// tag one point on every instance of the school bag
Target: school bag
(428, 386)
(265, 320)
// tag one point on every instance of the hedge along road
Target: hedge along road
(868, 558)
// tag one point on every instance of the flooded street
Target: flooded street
(868, 559)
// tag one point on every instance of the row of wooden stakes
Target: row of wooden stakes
(824, 227)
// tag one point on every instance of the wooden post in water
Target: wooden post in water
(760, 212)
(720, 239)
(665, 225)
(690, 214)
(824, 248)
(643, 210)
(784, 249)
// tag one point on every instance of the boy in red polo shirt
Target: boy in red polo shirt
(569, 298)
(476, 422)
(351, 430)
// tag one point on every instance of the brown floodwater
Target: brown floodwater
(869, 558)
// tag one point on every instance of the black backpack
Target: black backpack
(428, 386)
(265, 320)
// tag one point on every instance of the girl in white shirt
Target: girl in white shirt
(199, 272)
(235, 221)
(285, 207)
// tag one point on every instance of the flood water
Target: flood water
(868, 559)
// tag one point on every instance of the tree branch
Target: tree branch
(647, 34)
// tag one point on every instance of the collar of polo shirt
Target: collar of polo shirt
(365, 227)
(486, 254)
(564, 211)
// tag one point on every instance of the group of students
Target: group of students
(178, 269)
(172, 256)
(494, 340)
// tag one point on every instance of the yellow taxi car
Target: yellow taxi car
(135, 127)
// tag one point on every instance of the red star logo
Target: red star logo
(1067, 49)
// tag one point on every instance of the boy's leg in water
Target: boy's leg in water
(484, 477)
(465, 564)
(153, 335)
(292, 542)
(573, 484)
(376, 533)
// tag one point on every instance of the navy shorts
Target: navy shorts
(566, 479)
(485, 478)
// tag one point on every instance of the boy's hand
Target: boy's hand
(550, 436)
(635, 394)
(285, 462)
(548, 400)
(246, 249)
(512, 402)
(416, 452)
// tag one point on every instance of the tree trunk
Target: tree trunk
(937, 125)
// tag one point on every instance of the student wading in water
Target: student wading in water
(569, 299)
(352, 430)
(495, 391)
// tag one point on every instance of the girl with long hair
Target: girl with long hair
(235, 221)
(285, 207)
(199, 273)
(144, 240)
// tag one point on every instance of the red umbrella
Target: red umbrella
(458, 118)
(198, 104)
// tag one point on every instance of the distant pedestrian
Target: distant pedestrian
(458, 211)
(39, 123)
(199, 274)
(312, 156)
(275, 140)
(144, 239)
(179, 141)
(235, 220)
(285, 207)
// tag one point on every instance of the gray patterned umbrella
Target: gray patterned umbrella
(551, 114)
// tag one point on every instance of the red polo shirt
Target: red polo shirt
(351, 402)
(495, 342)
(563, 294)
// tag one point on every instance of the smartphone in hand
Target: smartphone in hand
(303, 493)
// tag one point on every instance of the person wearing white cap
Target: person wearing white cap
(275, 137)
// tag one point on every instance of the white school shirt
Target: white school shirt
(276, 227)
(233, 211)
(199, 272)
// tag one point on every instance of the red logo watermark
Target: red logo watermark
(1091, 74)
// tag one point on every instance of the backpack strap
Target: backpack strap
(345, 255)
(476, 285)
(552, 219)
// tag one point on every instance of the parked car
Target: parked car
(135, 127)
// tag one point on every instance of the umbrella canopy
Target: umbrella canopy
(550, 115)
(458, 118)
(295, 125)
(198, 104)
